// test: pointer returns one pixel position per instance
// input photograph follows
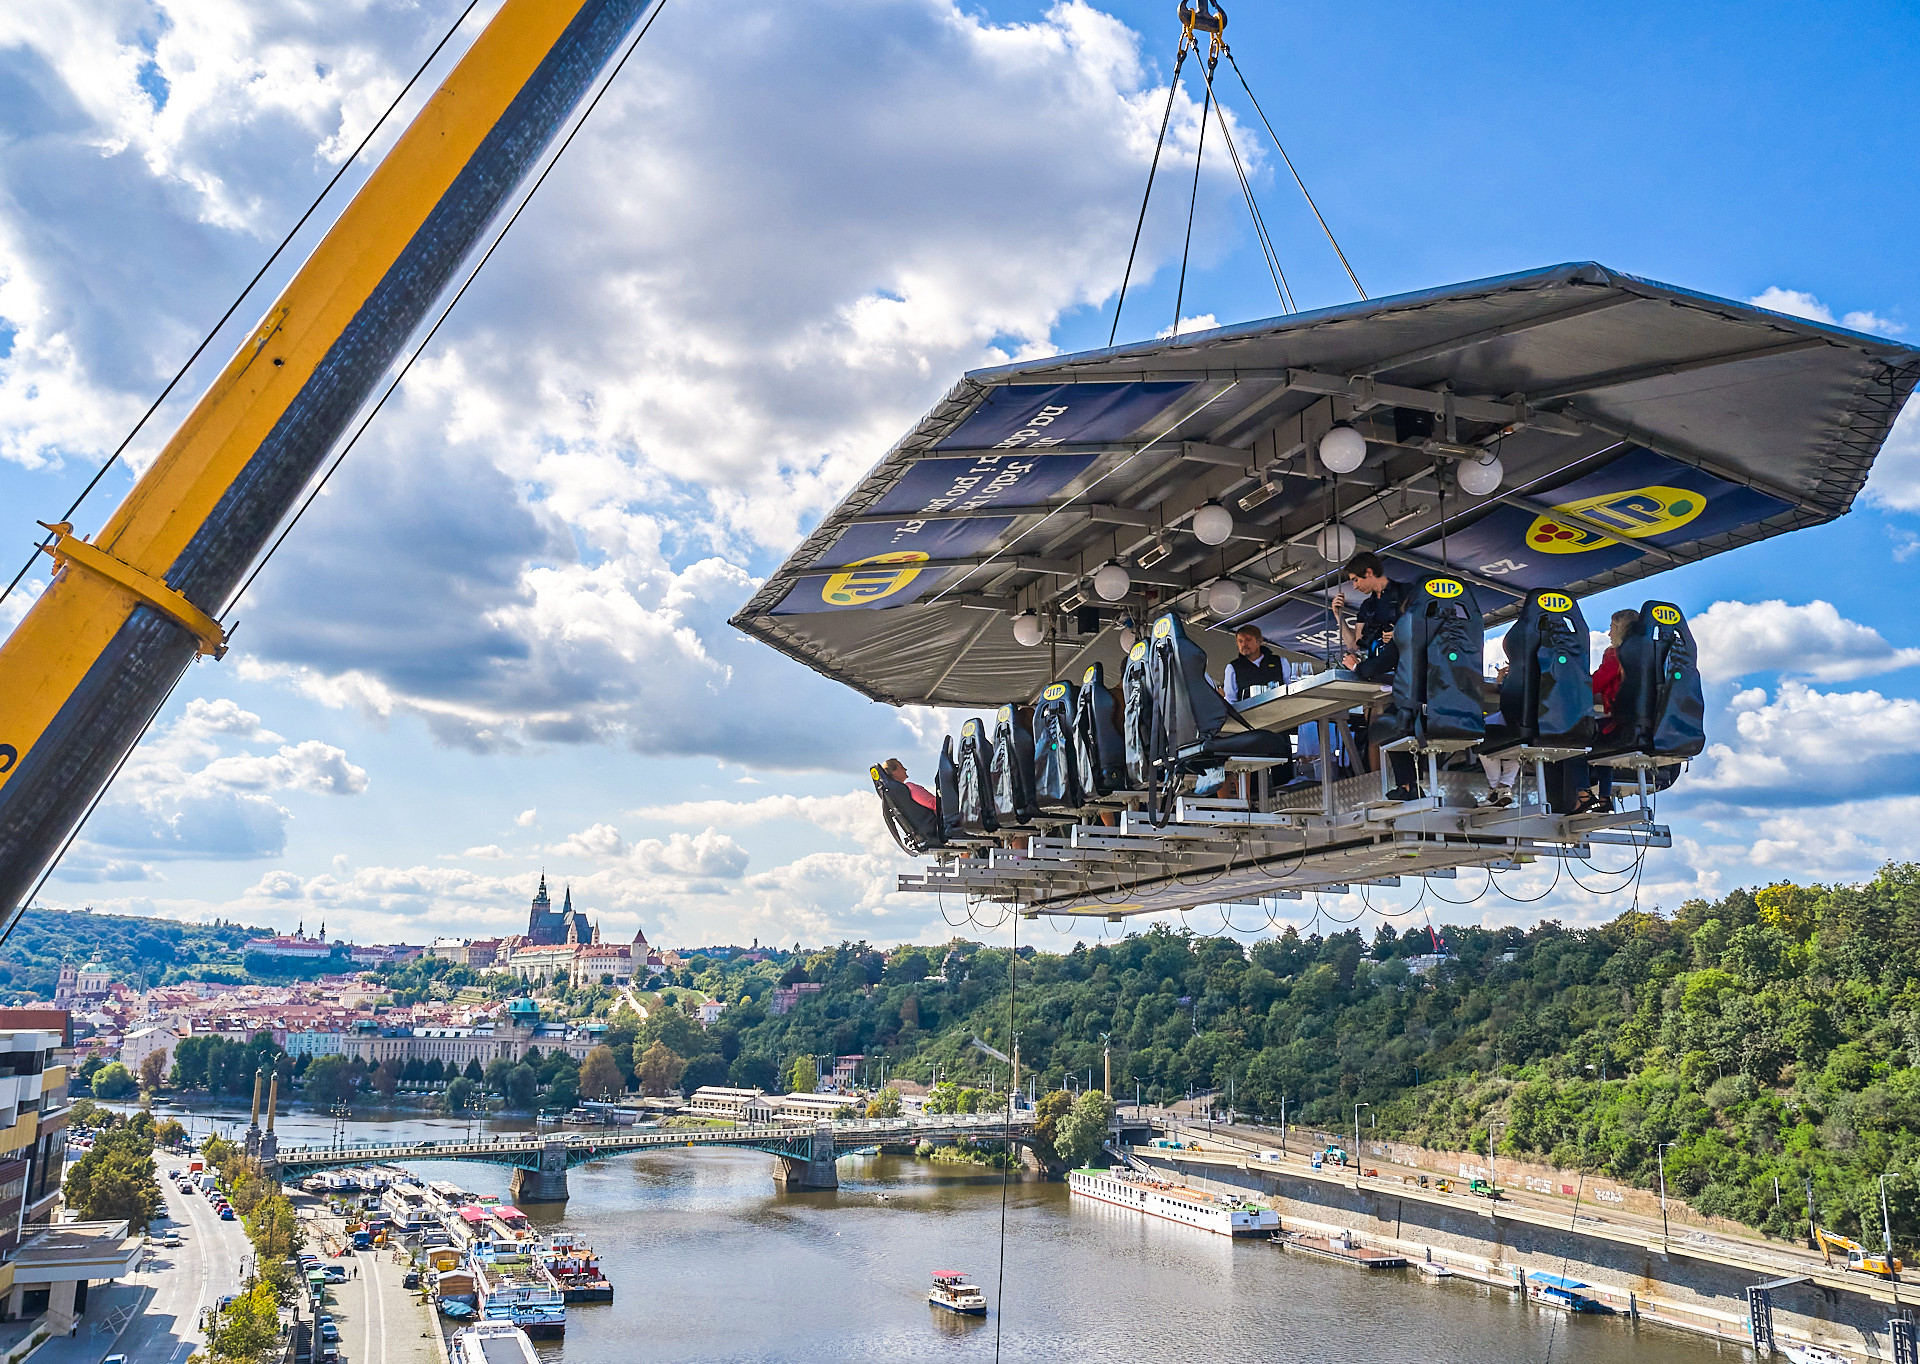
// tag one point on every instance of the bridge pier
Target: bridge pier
(548, 1184)
(816, 1170)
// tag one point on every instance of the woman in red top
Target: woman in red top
(1606, 690)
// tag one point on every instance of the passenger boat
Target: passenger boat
(1222, 1214)
(575, 1268)
(952, 1291)
(516, 1288)
(1557, 1290)
(492, 1342)
(1812, 1354)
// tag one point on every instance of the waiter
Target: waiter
(1255, 666)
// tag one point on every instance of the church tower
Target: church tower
(541, 928)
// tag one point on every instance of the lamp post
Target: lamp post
(1493, 1164)
(1659, 1156)
(1886, 1222)
(1356, 1142)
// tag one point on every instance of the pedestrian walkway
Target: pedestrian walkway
(110, 1308)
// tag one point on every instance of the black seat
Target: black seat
(1547, 697)
(1013, 798)
(1660, 711)
(946, 790)
(975, 780)
(1190, 719)
(913, 826)
(1099, 748)
(1138, 733)
(1437, 696)
(1056, 770)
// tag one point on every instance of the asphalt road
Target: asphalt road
(187, 1280)
(379, 1321)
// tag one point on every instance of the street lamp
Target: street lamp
(1356, 1142)
(1493, 1164)
(1886, 1222)
(1659, 1156)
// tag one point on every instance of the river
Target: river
(710, 1263)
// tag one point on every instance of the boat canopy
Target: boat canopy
(1636, 427)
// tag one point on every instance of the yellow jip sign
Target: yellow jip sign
(869, 580)
(1444, 587)
(1555, 601)
(1666, 615)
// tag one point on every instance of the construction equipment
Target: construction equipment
(1860, 1260)
(1337, 1154)
(1484, 1188)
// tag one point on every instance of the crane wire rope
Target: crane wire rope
(1173, 88)
(1267, 249)
(241, 297)
(320, 485)
(1193, 204)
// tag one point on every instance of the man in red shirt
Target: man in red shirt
(1606, 691)
(896, 769)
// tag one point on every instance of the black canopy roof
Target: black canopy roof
(1639, 427)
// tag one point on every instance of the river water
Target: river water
(710, 1262)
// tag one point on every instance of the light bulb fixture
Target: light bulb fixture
(1155, 553)
(1343, 449)
(1225, 597)
(1026, 629)
(1112, 581)
(1213, 524)
(1335, 542)
(1281, 571)
(1128, 638)
(1480, 477)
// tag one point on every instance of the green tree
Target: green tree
(1046, 1123)
(885, 1104)
(600, 1076)
(660, 1069)
(461, 1094)
(169, 1132)
(114, 1082)
(153, 1069)
(115, 1179)
(473, 1071)
(1083, 1129)
(522, 1084)
(803, 1077)
(247, 1330)
(329, 1080)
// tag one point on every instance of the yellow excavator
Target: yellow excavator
(1859, 1258)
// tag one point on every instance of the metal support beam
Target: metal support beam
(1585, 523)
(1369, 393)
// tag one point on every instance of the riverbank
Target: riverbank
(1690, 1282)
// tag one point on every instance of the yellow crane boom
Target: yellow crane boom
(128, 609)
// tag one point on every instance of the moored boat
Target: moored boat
(575, 1268)
(491, 1342)
(952, 1291)
(1222, 1214)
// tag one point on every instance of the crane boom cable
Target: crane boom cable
(234, 307)
(1304, 193)
(1173, 88)
(1267, 249)
(1193, 202)
(320, 484)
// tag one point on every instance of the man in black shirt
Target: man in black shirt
(1371, 651)
(1255, 666)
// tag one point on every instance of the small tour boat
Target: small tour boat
(454, 1308)
(952, 1291)
(1812, 1354)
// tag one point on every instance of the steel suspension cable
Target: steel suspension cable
(233, 307)
(1193, 200)
(1296, 175)
(1173, 88)
(1267, 250)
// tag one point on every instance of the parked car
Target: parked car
(412, 1280)
(171, 1242)
(336, 1273)
(328, 1331)
(226, 1214)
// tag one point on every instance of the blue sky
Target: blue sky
(498, 643)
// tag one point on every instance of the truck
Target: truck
(1484, 1188)
(1336, 1154)
(195, 1166)
(363, 1239)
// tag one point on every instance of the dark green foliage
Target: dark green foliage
(140, 951)
(115, 1179)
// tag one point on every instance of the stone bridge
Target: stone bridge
(803, 1155)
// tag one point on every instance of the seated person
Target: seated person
(896, 769)
(1501, 772)
(1255, 666)
(1606, 691)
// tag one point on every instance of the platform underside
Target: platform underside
(1221, 852)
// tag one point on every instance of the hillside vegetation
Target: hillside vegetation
(142, 952)
(1767, 1035)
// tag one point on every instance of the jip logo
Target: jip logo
(1086, 678)
(1444, 587)
(973, 729)
(1057, 692)
(1004, 715)
(869, 581)
(1666, 615)
(1163, 628)
(1139, 650)
(1631, 515)
(1555, 601)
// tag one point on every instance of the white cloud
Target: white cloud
(707, 854)
(1797, 303)
(525, 818)
(1815, 640)
(1811, 747)
(1894, 483)
(855, 815)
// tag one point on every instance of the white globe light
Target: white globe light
(1026, 629)
(1224, 597)
(1480, 477)
(1213, 523)
(1112, 582)
(1128, 638)
(1335, 542)
(1343, 450)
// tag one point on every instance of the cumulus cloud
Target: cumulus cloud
(1808, 747)
(854, 816)
(181, 795)
(1798, 303)
(1815, 641)
(1895, 481)
(708, 854)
